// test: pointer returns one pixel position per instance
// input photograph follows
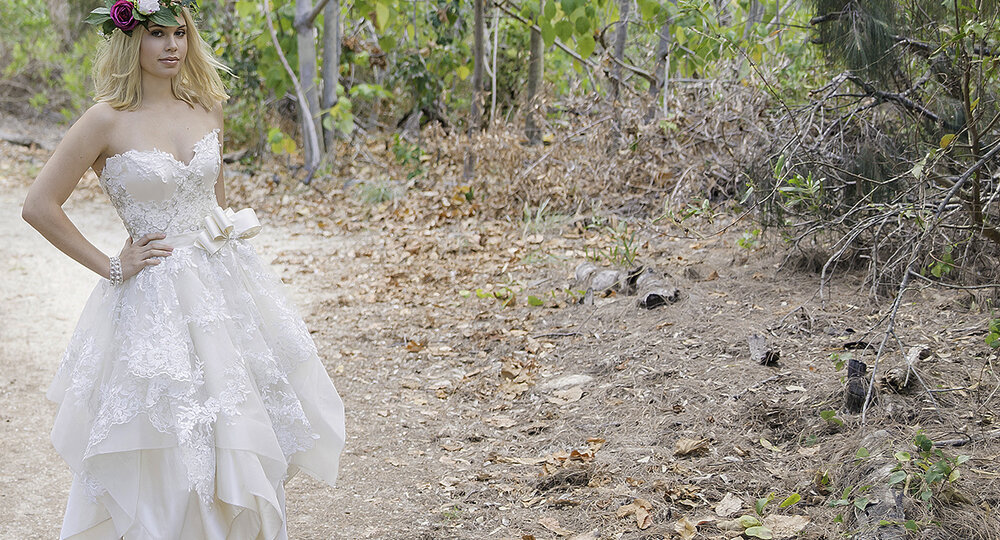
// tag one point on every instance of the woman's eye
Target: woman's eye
(156, 33)
(179, 33)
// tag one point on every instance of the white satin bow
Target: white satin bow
(224, 225)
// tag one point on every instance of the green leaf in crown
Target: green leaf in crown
(125, 15)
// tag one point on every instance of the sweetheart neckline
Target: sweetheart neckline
(155, 150)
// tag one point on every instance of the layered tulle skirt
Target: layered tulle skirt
(188, 395)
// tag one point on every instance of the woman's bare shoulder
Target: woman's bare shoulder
(98, 119)
(216, 112)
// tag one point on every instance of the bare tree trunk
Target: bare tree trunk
(479, 47)
(536, 65)
(493, 72)
(754, 15)
(662, 50)
(616, 69)
(331, 63)
(476, 114)
(59, 14)
(777, 17)
(307, 73)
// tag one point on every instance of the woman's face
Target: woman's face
(162, 49)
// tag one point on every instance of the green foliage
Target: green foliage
(340, 117)
(761, 503)
(840, 360)
(623, 244)
(749, 240)
(701, 210)
(790, 500)
(280, 143)
(238, 36)
(925, 471)
(373, 193)
(802, 193)
(43, 70)
(408, 155)
(412, 56)
(830, 416)
(920, 474)
(944, 264)
(993, 337)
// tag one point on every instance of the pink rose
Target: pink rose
(122, 16)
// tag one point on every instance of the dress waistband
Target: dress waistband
(220, 227)
(182, 240)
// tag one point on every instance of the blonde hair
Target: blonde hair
(118, 78)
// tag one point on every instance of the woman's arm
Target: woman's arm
(83, 144)
(220, 184)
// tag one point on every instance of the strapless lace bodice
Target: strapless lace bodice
(153, 192)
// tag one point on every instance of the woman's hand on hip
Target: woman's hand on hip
(145, 252)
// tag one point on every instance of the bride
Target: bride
(190, 390)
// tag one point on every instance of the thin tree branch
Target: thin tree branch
(305, 111)
(897, 98)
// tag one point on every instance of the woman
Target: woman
(190, 390)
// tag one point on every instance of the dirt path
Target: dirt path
(40, 292)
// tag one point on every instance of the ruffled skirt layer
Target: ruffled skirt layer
(188, 395)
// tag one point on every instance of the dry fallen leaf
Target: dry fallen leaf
(595, 444)
(690, 446)
(769, 445)
(589, 535)
(641, 509)
(785, 526)
(552, 524)
(502, 422)
(685, 528)
(729, 505)
(515, 378)
(562, 397)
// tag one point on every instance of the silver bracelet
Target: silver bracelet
(115, 274)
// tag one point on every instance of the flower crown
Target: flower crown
(127, 14)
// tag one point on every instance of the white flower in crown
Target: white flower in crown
(147, 7)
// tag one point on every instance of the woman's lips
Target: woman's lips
(169, 61)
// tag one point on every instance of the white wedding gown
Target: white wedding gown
(189, 394)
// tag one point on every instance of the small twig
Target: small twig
(897, 98)
(950, 286)
(966, 439)
(760, 384)
(557, 334)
